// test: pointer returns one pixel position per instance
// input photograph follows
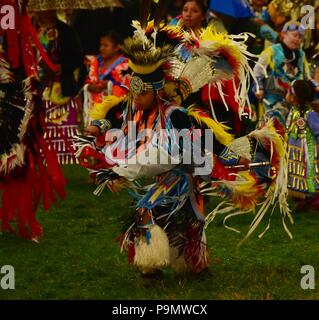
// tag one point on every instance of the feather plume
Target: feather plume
(145, 54)
(246, 190)
(165, 34)
(278, 192)
(219, 129)
(234, 50)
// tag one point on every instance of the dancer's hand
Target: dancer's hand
(260, 94)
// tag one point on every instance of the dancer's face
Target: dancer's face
(145, 101)
(107, 48)
(292, 39)
(193, 16)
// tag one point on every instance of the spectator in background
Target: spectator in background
(61, 88)
(283, 62)
(108, 73)
(264, 29)
(193, 17)
(281, 11)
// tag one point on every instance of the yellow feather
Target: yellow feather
(219, 129)
(100, 110)
(222, 41)
(247, 185)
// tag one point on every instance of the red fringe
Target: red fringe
(20, 44)
(23, 188)
(130, 249)
(131, 253)
(195, 251)
(229, 97)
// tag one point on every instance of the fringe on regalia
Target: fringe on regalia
(30, 172)
(247, 193)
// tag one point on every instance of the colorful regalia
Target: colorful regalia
(63, 48)
(169, 223)
(303, 151)
(29, 169)
(169, 220)
(282, 67)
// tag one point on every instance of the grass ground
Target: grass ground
(78, 257)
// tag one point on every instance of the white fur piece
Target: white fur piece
(156, 254)
(145, 163)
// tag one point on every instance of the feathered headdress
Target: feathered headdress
(144, 57)
(147, 62)
(151, 47)
(232, 63)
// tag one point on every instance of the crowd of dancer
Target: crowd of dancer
(179, 111)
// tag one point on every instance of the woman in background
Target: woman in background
(193, 17)
(108, 73)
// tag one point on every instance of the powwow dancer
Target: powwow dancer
(29, 171)
(303, 144)
(169, 223)
(173, 202)
(108, 74)
(63, 47)
(284, 63)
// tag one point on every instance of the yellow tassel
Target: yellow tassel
(100, 110)
(218, 128)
